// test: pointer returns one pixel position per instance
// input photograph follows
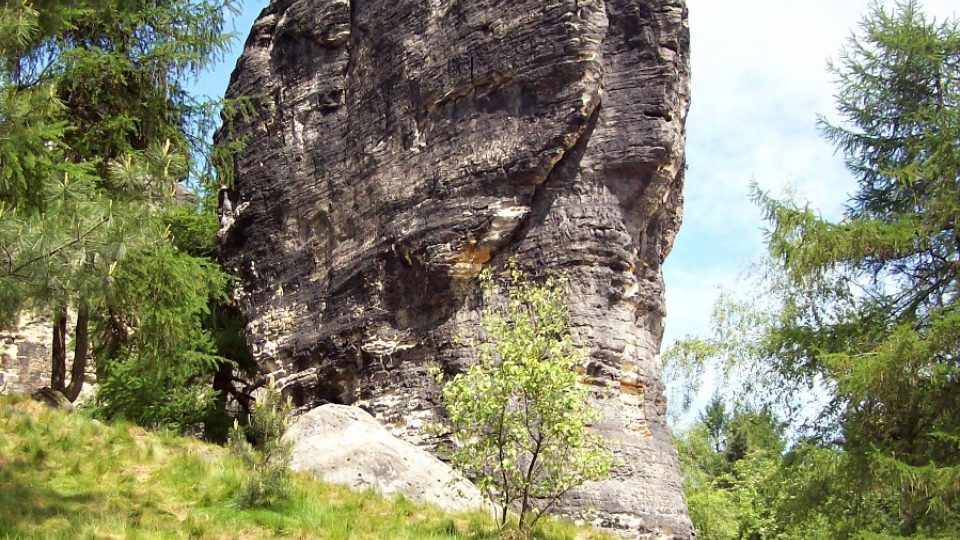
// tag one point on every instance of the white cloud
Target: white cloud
(759, 82)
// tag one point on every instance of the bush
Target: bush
(518, 418)
(268, 459)
(155, 354)
(158, 395)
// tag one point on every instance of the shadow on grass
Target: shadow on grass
(26, 504)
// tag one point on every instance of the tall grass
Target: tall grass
(69, 476)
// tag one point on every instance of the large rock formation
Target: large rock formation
(25, 355)
(400, 146)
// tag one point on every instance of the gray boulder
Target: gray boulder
(52, 398)
(345, 445)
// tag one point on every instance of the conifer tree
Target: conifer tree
(98, 133)
(866, 308)
(875, 307)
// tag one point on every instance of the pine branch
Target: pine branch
(15, 272)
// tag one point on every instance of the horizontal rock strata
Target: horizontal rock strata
(401, 146)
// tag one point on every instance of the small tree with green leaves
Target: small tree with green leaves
(268, 458)
(518, 418)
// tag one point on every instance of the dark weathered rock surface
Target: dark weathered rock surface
(403, 145)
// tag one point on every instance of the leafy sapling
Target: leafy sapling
(518, 418)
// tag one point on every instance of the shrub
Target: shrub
(268, 459)
(173, 395)
(518, 418)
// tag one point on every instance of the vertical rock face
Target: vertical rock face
(25, 355)
(400, 146)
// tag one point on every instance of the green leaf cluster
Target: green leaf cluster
(519, 420)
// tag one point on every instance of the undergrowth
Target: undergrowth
(70, 476)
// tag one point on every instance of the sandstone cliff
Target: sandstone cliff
(25, 355)
(402, 145)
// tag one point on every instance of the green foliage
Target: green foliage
(171, 395)
(157, 374)
(734, 355)
(714, 418)
(120, 68)
(68, 476)
(865, 310)
(96, 132)
(880, 319)
(191, 231)
(518, 417)
(269, 460)
(733, 481)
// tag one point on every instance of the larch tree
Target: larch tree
(866, 308)
(97, 135)
(875, 309)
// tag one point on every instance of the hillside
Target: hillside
(70, 476)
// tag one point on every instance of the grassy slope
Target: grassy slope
(67, 476)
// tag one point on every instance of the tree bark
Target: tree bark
(218, 431)
(80, 351)
(58, 355)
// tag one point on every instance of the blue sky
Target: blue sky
(214, 83)
(759, 82)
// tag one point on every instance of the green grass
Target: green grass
(68, 476)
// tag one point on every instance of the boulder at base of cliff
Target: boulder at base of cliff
(345, 445)
(52, 398)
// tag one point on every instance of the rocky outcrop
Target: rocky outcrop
(345, 445)
(52, 398)
(400, 146)
(25, 355)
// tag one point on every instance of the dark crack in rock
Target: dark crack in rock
(400, 146)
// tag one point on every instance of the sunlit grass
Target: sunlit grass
(69, 476)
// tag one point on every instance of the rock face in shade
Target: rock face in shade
(400, 146)
(25, 355)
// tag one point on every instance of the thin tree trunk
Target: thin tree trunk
(80, 351)
(217, 426)
(58, 355)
